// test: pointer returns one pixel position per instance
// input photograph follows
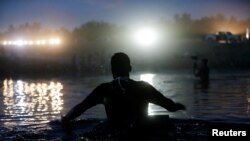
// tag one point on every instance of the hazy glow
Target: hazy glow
(147, 77)
(32, 99)
(42, 42)
(25, 42)
(5, 42)
(55, 41)
(247, 33)
(38, 42)
(19, 42)
(30, 43)
(146, 37)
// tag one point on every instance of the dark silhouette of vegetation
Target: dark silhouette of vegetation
(86, 47)
(187, 26)
(182, 24)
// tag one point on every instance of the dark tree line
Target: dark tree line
(182, 25)
(90, 45)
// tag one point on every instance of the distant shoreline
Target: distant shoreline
(220, 56)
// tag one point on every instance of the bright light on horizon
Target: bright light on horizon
(30, 43)
(146, 36)
(247, 33)
(43, 42)
(19, 42)
(5, 42)
(55, 41)
(25, 42)
(39, 42)
(147, 77)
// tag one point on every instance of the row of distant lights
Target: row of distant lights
(54, 41)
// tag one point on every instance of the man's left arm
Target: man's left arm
(159, 99)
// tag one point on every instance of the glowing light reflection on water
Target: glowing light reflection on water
(32, 101)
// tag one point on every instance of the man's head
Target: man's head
(120, 64)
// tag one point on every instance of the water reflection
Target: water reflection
(35, 101)
(148, 78)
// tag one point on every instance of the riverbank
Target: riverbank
(176, 56)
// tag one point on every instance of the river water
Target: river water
(29, 105)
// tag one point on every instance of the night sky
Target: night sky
(73, 13)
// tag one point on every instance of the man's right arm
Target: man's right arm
(93, 99)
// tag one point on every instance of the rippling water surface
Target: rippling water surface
(28, 105)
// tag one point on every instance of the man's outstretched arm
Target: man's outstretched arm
(157, 98)
(93, 99)
(167, 103)
(78, 110)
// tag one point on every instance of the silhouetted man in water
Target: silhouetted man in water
(125, 100)
(202, 71)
